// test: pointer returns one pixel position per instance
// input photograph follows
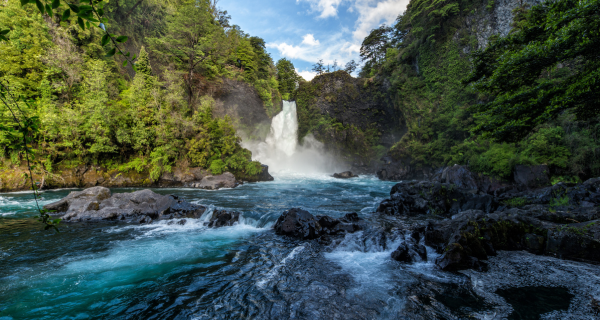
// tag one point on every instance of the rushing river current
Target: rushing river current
(169, 270)
(176, 270)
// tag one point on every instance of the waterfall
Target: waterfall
(284, 130)
(282, 152)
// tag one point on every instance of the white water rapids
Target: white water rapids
(283, 153)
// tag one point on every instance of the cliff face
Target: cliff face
(426, 74)
(485, 23)
(354, 118)
(242, 103)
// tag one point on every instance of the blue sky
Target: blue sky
(305, 31)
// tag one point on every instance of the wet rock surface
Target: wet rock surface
(302, 224)
(222, 218)
(467, 228)
(344, 175)
(142, 206)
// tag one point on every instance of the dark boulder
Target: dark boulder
(298, 223)
(461, 177)
(142, 206)
(410, 251)
(222, 218)
(264, 174)
(301, 224)
(344, 175)
(441, 199)
(350, 217)
(402, 169)
(531, 176)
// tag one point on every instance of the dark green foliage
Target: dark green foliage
(319, 67)
(374, 47)
(427, 62)
(287, 78)
(549, 65)
(91, 112)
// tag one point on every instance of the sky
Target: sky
(305, 31)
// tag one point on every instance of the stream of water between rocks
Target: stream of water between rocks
(182, 270)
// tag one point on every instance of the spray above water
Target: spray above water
(281, 151)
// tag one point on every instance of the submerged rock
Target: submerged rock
(225, 180)
(344, 175)
(302, 224)
(142, 206)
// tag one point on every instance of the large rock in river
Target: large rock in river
(344, 175)
(142, 206)
(302, 224)
(225, 180)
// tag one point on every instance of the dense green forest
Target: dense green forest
(94, 109)
(529, 98)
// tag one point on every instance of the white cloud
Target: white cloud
(335, 47)
(327, 8)
(310, 40)
(343, 45)
(373, 13)
(306, 74)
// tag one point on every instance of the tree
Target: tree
(287, 77)
(319, 67)
(374, 46)
(549, 65)
(351, 66)
(193, 42)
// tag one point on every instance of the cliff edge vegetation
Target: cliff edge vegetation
(494, 84)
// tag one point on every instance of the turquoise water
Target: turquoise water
(166, 270)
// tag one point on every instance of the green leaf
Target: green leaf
(3, 38)
(125, 63)
(121, 39)
(74, 8)
(105, 40)
(55, 4)
(40, 6)
(49, 11)
(24, 2)
(3, 32)
(87, 24)
(111, 52)
(66, 15)
(80, 22)
(100, 12)
(85, 8)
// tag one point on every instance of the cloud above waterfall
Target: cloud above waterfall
(306, 31)
(325, 8)
(310, 40)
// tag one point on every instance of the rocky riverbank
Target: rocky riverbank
(15, 178)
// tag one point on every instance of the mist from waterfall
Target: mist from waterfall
(282, 152)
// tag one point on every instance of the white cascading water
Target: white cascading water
(281, 151)
(284, 130)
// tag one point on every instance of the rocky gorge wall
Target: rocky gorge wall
(354, 118)
(242, 103)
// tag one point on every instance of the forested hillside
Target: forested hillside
(529, 97)
(95, 110)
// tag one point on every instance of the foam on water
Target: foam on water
(281, 150)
